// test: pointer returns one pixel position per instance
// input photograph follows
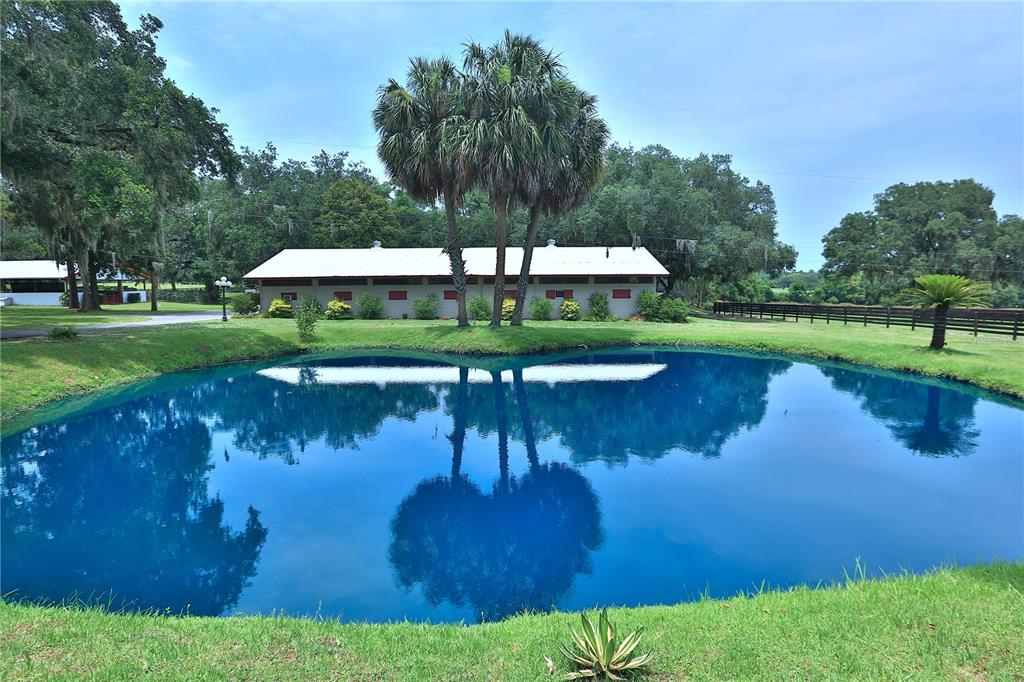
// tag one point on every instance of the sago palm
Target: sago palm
(574, 139)
(942, 292)
(500, 143)
(418, 126)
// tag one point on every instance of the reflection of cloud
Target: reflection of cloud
(382, 376)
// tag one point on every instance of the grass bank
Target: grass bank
(36, 371)
(951, 624)
(42, 317)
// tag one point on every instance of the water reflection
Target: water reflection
(116, 511)
(519, 547)
(924, 418)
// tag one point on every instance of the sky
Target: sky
(829, 103)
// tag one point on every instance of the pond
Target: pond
(386, 487)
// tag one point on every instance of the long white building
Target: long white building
(400, 276)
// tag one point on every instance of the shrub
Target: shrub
(426, 308)
(647, 304)
(570, 310)
(338, 309)
(245, 303)
(63, 333)
(307, 312)
(507, 306)
(479, 308)
(370, 307)
(673, 310)
(279, 308)
(598, 303)
(540, 308)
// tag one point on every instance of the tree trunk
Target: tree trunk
(524, 270)
(939, 327)
(153, 285)
(82, 256)
(458, 265)
(459, 414)
(501, 417)
(72, 287)
(501, 209)
(94, 290)
(174, 286)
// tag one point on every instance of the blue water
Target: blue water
(386, 487)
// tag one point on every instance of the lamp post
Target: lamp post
(223, 285)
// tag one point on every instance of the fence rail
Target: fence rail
(974, 320)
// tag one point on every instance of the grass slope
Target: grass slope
(952, 624)
(34, 372)
(41, 317)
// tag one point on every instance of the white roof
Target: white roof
(431, 262)
(32, 269)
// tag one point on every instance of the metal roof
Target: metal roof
(32, 269)
(430, 262)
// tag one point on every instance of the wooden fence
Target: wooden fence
(974, 320)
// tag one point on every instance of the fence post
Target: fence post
(812, 314)
(1016, 325)
(865, 318)
(827, 315)
(913, 320)
(887, 312)
(976, 322)
(796, 312)
(845, 310)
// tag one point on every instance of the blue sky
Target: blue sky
(827, 103)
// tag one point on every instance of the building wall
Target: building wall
(396, 309)
(31, 298)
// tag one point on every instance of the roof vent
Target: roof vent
(551, 242)
(376, 244)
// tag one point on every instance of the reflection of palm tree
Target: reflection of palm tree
(928, 420)
(458, 434)
(518, 548)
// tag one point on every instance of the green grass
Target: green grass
(41, 317)
(37, 371)
(951, 624)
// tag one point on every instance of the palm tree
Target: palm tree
(943, 292)
(418, 127)
(501, 142)
(574, 140)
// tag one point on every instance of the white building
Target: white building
(32, 282)
(43, 282)
(400, 276)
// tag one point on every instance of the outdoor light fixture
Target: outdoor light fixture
(223, 283)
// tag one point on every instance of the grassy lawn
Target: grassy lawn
(952, 624)
(41, 317)
(36, 371)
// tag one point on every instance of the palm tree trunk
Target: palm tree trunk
(501, 209)
(524, 270)
(458, 265)
(939, 327)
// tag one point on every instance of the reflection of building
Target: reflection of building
(399, 276)
(538, 374)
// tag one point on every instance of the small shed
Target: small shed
(32, 282)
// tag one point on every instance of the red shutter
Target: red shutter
(567, 293)
(343, 295)
(622, 293)
(397, 295)
(510, 293)
(450, 295)
(551, 293)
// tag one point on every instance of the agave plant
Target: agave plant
(598, 654)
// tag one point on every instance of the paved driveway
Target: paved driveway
(169, 318)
